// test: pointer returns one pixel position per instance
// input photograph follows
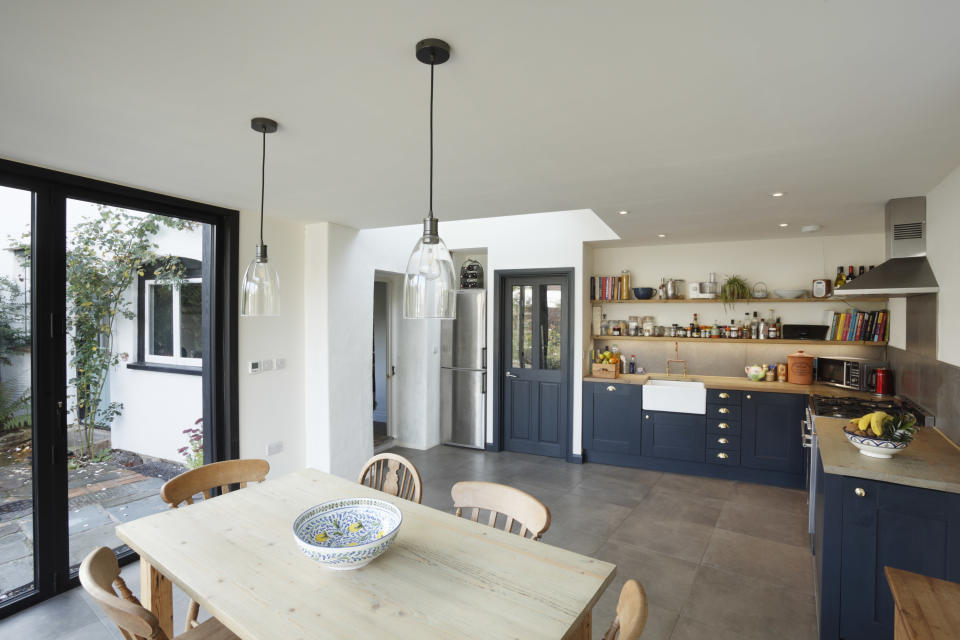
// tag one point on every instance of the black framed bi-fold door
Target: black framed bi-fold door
(117, 306)
(535, 362)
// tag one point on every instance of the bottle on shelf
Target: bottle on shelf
(861, 272)
(763, 329)
(841, 278)
(779, 329)
(633, 364)
(734, 331)
(755, 327)
(851, 276)
(694, 328)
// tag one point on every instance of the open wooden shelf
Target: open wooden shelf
(743, 301)
(857, 343)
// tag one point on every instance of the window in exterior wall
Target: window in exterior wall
(172, 323)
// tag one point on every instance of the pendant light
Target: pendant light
(260, 290)
(428, 286)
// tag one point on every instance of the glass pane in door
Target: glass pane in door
(522, 327)
(135, 310)
(551, 347)
(16, 419)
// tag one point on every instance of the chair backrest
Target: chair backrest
(631, 613)
(516, 505)
(99, 574)
(392, 474)
(217, 474)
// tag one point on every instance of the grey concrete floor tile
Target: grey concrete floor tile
(683, 540)
(689, 629)
(681, 507)
(667, 580)
(733, 601)
(53, 618)
(778, 498)
(781, 564)
(93, 631)
(624, 491)
(772, 524)
(698, 486)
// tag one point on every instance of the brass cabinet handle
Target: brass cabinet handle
(723, 410)
(722, 455)
(611, 388)
(724, 394)
(723, 441)
(723, 425)
(749, 396)
(859, 492)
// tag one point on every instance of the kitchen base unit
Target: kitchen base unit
(753, 437)
(865, 525)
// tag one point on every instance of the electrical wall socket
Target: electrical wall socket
(281, 363)
(254, 367)
(266, 365)
(274, 447)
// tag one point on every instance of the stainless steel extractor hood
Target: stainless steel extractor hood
(906, 271)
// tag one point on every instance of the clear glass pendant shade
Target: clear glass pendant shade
(260, 289)
(428, 286)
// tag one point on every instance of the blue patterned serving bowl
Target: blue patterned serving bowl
(875, 447)
(347, 533)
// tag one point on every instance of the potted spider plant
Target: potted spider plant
(733, 288)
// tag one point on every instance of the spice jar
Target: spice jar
(800, 368)
(781, 372)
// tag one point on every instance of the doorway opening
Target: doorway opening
(386, 317)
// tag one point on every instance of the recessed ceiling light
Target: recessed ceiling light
(784, 224)
(661, 235)
(778, 194)
(623, 213)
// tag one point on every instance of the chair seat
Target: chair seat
(212, 629)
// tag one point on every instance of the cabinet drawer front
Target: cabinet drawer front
(723, 396)
(724, 412)
(717, 456)
(723, 427)
(724, 441)
(614, 388)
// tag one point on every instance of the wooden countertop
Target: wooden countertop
(932, 461)
(926, 608)
(736, 384)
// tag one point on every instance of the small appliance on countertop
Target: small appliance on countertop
(804, 331)
(858, 374)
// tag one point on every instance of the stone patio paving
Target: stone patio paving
(100, 496)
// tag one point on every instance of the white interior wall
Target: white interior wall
(272, 403)
(788, 263)
(943, 231)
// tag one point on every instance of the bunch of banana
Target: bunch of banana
(873, 421)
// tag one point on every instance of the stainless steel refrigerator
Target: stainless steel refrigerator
(463, 372)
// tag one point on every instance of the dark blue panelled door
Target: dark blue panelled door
(535, 358)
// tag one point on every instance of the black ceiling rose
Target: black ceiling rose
(433, 51)
(263, 125)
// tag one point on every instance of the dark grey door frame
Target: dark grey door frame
(499, 276)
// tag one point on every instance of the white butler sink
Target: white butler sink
(678, 396)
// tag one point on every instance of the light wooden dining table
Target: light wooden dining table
(443, 577)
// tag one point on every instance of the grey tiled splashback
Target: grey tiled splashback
(932, 384)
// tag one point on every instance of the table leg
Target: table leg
(584, 630)
(156, 594)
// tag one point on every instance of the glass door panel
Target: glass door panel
(135, 354)
(17, 561)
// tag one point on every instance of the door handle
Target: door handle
(510, 375)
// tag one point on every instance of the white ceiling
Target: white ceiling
(685, 113)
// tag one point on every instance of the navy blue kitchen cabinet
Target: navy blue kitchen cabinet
(771, 431)
(611, 421)
(867, 525)
(676, 436)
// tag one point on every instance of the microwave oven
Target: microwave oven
(849, 373)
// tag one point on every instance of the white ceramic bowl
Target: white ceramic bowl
(874, 447)
(789, 293)
(347, 533)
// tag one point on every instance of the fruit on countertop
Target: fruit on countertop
(880, 424)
